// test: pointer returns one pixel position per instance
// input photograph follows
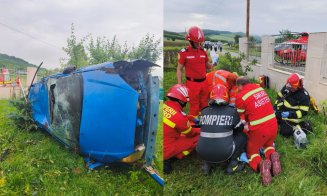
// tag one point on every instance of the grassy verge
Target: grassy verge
(231, 49)
(304, 171)
(33, 163)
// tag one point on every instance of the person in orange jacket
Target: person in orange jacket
(195, 61)
(180, 138)
(254, 106)
(225, 78)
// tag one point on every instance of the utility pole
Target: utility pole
(247, 18)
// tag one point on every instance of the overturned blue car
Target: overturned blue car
(106, 112)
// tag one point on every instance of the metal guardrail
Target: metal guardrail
(290, 55)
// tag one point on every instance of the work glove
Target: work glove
(261, 151)
(285, 114)
(278, 114)
(246, 126)
(196, 121)
(244, 158)
(232, 104)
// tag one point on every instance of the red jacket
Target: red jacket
(175, 122)
(254, 104)
(194, 62)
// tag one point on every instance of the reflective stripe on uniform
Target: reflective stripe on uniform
(232, 99)
(187, 131)
(294, 120)
(279, 104)
(216, 135)
(280, 94)
(169, 122)
(253, 156)
(247, 95)
(240, 110)
(185, 152)
(262, 120)
(238, 124)
(298, 114)
(220, 77)
(269, 148)
(288, 105)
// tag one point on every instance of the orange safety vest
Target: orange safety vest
(232, 95)
(217, 77)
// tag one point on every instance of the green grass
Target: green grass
(177, 43)
(304, 171)
(37, 164)
(223, 37)
(231, 49)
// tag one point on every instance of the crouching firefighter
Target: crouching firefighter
(179, 137)
(254, 106)
(292, 105)
(221, 136)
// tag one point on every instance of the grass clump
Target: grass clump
(36, 164)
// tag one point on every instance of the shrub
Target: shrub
(22, 116)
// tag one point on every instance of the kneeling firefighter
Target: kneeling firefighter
(179, 137)
(221, 136)
(291, 106)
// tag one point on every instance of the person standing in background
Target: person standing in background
(195, 61)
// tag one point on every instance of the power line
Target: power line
(214, 8)
(30, 36)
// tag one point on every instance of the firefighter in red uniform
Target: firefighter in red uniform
(225, 78)
(254, 106)
(179, 137)
(195, 60)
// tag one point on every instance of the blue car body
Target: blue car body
(105, 112)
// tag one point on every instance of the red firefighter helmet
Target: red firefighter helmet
(219, 94)
(195, 34)
(294, 81)
(180, 92)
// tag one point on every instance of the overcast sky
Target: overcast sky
(49, 22)
(266, 17)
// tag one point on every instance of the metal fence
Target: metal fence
(290, 54)
(11, 76)
(254, 51)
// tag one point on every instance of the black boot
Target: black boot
(206, 168)
(234, 166)
(168, 166)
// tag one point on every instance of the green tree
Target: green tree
(148, 49)
(234, 64)
(97, 50)
(101, 49)
(285, 35)
(252, 39)
(75, 50)
(236, 39)
(117, 52)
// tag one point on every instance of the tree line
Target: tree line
(89, 50)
